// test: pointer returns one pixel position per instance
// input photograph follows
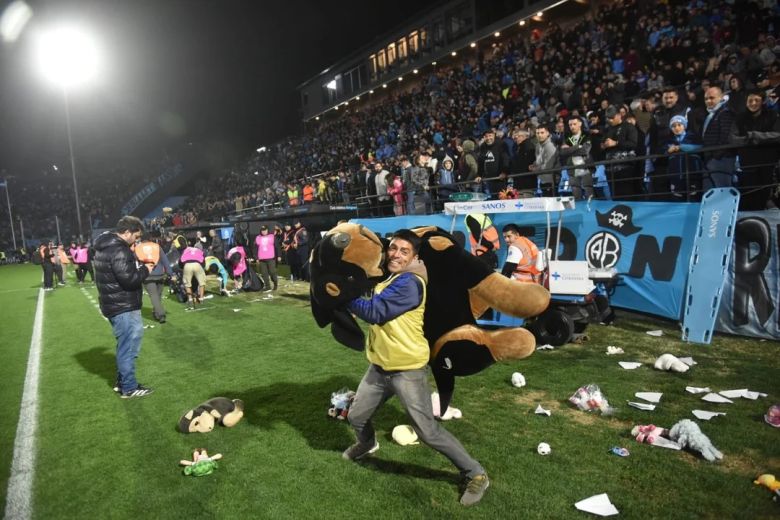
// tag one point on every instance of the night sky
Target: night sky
(220, 74)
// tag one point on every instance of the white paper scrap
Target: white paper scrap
(541, 411)
(641, 406)
(611, 350)
(545, 347)
(733, 393)
(629, 365)
(656, 333)
(715, 398)
(696, 389)
(236, 310)
(688, 361)
(753, 395)
(652, 397)
(704, 415)
(598, 505)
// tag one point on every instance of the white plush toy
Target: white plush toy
(670, 362)
(687, 434)
(451, 413)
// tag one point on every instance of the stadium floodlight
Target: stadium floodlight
(68, 57)
(384, 85)
(55, 167)
(331, 85)
(496, 34)
(317, 118)
(415, 71)
(539, 14)
(473, 44)
(357, 98)
(522, 23)
(400, 78)
(454, 53)
(261, 149)
(433, 63)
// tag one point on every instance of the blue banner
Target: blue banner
(751, 295)
(648, 243)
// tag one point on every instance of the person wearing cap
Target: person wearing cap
(266, 255)
(493, 159)
(659, 136)
(682, 170)
(716, 131)
(398, 354)
(620, 142)
(758, 128)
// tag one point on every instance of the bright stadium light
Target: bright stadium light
(384, 85)
(433, 63)
(539, 14)
(454, 53)
(496, 34)
(370, 91)
(331, 85)
(415, 71)
(317, 118)
(522, 23)
(357, 98)
(68, 57)
(473, 44)
(400, 78)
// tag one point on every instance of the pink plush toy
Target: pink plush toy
(647, 433)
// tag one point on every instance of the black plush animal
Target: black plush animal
(460, 287)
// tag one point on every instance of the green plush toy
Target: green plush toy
(201, 464)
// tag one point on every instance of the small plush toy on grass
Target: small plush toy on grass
(201, 464)
(769, 481)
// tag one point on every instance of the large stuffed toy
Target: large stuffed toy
(348, 262)
(205, 416)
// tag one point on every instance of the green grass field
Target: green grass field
(98, 456)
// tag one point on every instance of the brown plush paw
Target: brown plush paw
(518, 299)
(504, 344)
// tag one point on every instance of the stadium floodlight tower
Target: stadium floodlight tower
(68, 57)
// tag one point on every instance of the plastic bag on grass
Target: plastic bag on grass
(589, 398)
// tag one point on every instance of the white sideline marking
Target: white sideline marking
(18, 505)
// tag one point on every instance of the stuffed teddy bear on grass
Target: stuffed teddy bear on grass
(205, 416)
(349, 260)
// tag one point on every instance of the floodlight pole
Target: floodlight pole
(21, 228)
(72, 160)
(10, 216)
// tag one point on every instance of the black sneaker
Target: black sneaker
(162, 319)
(357, 451)
(475, 488)
(140, 391)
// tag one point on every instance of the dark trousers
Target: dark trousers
(48, 274)
(154, 289)
(268, 273)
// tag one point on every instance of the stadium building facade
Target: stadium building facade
(437, 34)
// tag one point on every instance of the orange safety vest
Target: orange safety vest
(308, 193)
(63, 255)
(526, 271)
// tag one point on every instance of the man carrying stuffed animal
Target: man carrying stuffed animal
(398, 354)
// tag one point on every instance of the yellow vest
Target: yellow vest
(399, 344)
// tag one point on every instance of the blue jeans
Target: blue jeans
(411, 387)
(128, 331)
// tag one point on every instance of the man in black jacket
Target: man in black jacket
(119, 278)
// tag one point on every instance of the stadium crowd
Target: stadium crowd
(602, 87)
(639, 71)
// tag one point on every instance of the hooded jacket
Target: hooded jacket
(119, 277)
